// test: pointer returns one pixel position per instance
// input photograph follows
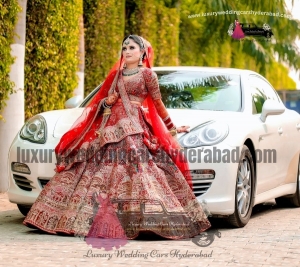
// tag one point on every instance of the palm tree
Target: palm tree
(14, 110)
(207, 38)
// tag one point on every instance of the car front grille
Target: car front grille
(199, 188)
(43, 181)
(23, 183)
(202, 180)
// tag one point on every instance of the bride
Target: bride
(110, 180)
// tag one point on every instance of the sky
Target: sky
(295, 10)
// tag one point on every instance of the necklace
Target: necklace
(129, 72)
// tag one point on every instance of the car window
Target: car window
(261, 91)
(200, 90)
(127, 206)
(258, 99)
(90, 97)
(254, 109)
(153, 207)
(269, 90)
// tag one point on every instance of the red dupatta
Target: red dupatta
(83, 130)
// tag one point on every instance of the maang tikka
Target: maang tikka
(127, 40)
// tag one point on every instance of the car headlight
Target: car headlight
(34, 130)
(205, 135)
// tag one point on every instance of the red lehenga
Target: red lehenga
(145, 189)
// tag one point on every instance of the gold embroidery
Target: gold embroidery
(152, 83)
(117, 132)
(124, 118)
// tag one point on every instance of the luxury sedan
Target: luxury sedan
(243, 147)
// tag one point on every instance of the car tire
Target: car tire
(294, 200)
(244, 190)
(24, 209)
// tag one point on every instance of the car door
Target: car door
(270, 138)
(287, 130)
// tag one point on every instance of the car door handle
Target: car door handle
(280, 130)
(298, 126)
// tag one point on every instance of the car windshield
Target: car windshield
(196, 90)
(200, 90)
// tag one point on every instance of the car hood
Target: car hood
(65, 121)
(180, 117)
(193, 118)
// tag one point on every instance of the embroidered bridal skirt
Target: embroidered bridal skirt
(123, 190)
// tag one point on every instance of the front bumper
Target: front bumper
(220, 191)
(40, 158)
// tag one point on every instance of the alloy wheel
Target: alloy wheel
(243, 192)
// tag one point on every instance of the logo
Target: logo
(105, 230)
(113, 221)
(239, 30)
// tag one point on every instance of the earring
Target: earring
(141, 61)
(124, 66)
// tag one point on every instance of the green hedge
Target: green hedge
(8, 18)
(104, 23)
(51, 59)
(158, 22)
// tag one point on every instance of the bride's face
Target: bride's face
(131, 52)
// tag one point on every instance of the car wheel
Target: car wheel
(244, 190)
(24, 209)
(295, 199)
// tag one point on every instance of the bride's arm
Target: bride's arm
(163, 113)
(153, 88)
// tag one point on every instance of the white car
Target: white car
(243, 147)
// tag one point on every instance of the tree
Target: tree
(51, 54)
(158, 21)
(13, 113)
(104, 28)
(204, 40)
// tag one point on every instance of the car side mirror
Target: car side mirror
(271, 107)
(74, 101)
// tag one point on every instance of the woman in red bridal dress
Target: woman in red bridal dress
(238, 32)
(105, 224)
(117, 174)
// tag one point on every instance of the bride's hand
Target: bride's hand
(183, 129)
(112, 99)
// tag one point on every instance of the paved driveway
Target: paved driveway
(271, 238)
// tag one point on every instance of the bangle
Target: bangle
(169, 125)
(168, 122)
(168, 117)
(105, 105)
(173, 131)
